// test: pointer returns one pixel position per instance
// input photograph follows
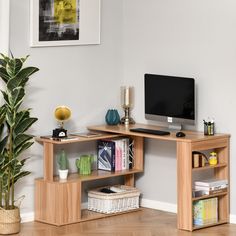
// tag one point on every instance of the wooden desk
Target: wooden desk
(193, 141)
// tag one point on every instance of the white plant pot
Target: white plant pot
(63, 174)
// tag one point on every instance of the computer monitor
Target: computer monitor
(170, 99)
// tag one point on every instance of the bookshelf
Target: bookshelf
(185, 146)
(59, 202)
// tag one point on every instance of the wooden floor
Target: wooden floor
(146, 222)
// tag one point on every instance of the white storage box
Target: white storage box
(126, 198)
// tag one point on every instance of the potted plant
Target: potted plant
(62, 161)
(14, 122)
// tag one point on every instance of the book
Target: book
(131, 154)
(206, 188)
(106, 155)
(211, 182)
(205, 211)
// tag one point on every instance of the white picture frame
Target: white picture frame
(86, 31)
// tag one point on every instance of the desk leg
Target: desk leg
(48, 161)
(184, 186)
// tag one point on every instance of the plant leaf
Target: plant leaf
(10, 118)
(24, 125)
(4, 75)
(15, 82)
(14, 66)
(26, 72)
(22, 148)
(21, 115)
(21, 139)
(3, 144)
(16, 96)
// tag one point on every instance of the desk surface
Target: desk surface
(191, 136)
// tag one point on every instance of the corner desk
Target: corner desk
(193, 141)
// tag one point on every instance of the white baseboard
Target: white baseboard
(162, 206)
(27, 217)
(157, 205)
(232, 219)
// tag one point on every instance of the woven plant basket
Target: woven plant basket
(10, 221)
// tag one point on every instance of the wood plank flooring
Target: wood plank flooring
(146, 222)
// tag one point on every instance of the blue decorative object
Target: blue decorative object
(112, 117)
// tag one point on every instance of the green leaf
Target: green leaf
(4, 75)
(21, 175)
(16, 96)
(24, 125)
(3, 144)
(10, 118)
(3, 63)
(21, 139)
(16, 82)
(23, 59)
(26, 72)
(5, 96)
(22, 148)
(21, 115)
(14, 66)
(2, 115)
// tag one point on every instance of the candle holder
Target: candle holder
(127, 97)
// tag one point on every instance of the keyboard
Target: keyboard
(150, 131)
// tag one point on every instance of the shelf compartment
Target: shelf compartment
(195, 227)
(97, 174)
(210, 196)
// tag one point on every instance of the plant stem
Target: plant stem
(1, 192)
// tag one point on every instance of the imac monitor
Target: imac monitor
(170, 99)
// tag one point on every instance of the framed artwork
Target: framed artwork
(64, 22)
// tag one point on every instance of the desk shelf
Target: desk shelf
(58, 202)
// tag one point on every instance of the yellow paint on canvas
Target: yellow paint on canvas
(65, 11)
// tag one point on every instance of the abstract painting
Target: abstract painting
(65, 22)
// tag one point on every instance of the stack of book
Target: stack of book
(115, 154)
(205, 211)
(211, 186)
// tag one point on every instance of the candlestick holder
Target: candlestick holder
(127, 98)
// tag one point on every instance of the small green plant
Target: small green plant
(62, 160)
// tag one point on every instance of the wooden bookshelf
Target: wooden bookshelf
(59, 202)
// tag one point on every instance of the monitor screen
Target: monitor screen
(169, 98)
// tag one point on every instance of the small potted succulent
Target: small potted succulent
(62, 162)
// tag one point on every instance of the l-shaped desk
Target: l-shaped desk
(193, 141)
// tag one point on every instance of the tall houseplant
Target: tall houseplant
(14, 122)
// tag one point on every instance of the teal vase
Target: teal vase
(112, 117)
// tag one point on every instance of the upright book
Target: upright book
(106, 155)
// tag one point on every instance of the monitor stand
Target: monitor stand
(174, 127)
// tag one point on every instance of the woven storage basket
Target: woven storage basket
(9, 221)
(113, 202)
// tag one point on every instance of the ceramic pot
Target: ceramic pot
(63, 174)
(112, 117)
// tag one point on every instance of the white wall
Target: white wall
(185, 38)
(85, 78)
(4, 25)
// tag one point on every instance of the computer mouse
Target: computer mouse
(180, 134)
